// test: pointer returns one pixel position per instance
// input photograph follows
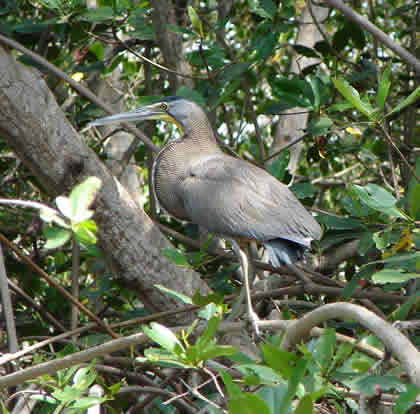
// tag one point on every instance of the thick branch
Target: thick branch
(34, 126)
(391, 337)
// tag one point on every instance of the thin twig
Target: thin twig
(52, 282)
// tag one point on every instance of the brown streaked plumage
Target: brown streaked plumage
(194, 180)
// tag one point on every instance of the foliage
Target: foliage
(359, 171)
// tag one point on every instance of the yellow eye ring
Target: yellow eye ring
(164, 106)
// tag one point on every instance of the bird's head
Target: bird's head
(174, 109)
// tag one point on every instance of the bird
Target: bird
(194, 179)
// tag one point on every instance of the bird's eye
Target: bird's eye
(164, 106)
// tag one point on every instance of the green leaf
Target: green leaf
(98, 14)
(177, 29)
(278, 167)
(263, 8)
(97, 48)
(277, 108)
(195, 21)
(406, 399)
(84, 378)
(216, 351)
(247, 403)
(414, 200)
(378, 199)
(233, 71)
(303, 190)
(294, 381)
(305, 405)
(382, 239)
(81, 197)
(164, 358)
(85, 232)
(339, 223)
(353, 97)
(306, 51)
(64, 206)
(67, 394)
(369, 384)
(232, 389)
(393, 276)
(176, 256)
(87, 402)
(384, 85)
(281, 361)
(407, 101)
(176, 295)
(324, 349)
(164, 337)
(340, 107)
(318, 89)
(56, 237)
(192, 94)
(209, 333)
(320, 126)
(266, 375)
(360, 365)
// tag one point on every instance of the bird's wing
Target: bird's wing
(233, 198)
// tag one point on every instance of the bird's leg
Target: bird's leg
(243, 260)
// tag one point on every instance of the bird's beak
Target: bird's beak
(137, 115)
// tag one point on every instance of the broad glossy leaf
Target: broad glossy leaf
(384, 85)
(406, 399)
(98, 14)
(85, 232)
(195, 21)
(368, 385)
(414, 200)
(176, 256)
(353, 96)
(324, 348)
(82, 197)
(232, 389)
(163, 336)
(407, 101)
(179, 296)
(209, 333)
(56, 237)
(278, 167)
(378, 199)
(247, 403)
(320, 126)
(281, 361)
(393, 276)
(305, 405)
(216, 351)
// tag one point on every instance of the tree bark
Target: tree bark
(291, 124)
(35, 127)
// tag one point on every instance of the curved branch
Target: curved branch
(391, 337)
(376, 32)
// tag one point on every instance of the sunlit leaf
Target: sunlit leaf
(247, 403)
(353, 96)
(393, 276)
(163, 336)
(56, 237)
(412, 98)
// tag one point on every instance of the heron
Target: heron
(193, 179)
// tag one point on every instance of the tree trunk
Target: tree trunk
(35, 127)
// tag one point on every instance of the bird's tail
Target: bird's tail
(284, 252)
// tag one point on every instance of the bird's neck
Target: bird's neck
(199, 136)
